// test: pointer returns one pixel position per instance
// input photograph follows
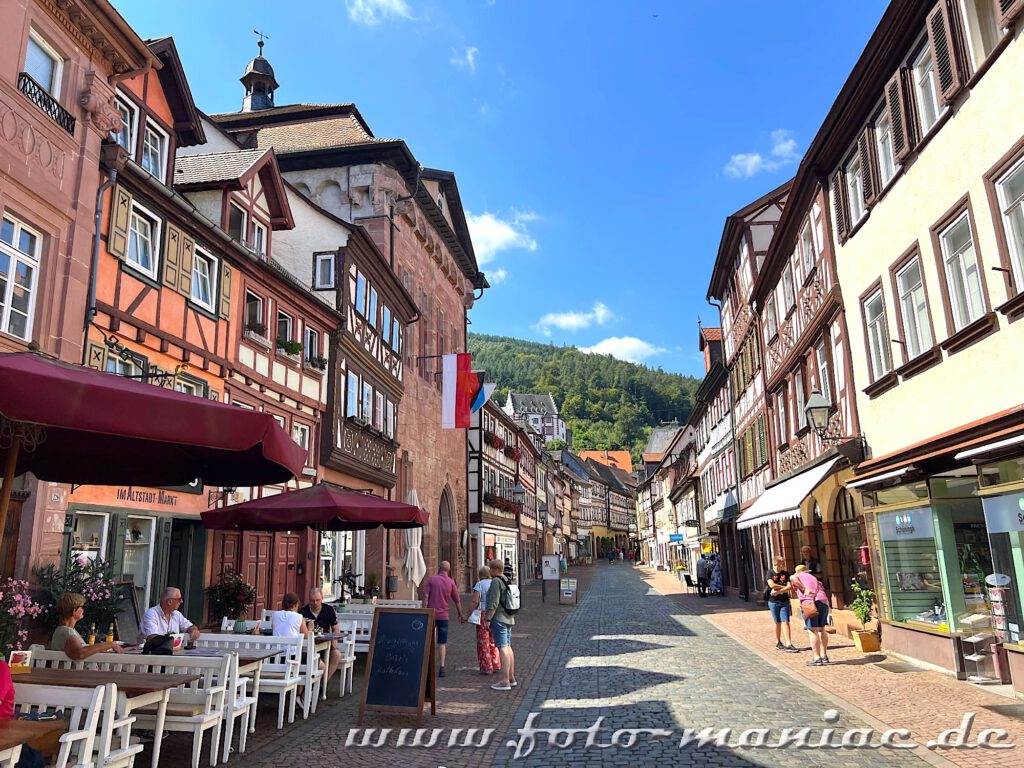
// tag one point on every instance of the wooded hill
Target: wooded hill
(608, 403)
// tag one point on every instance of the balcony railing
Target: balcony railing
(42, 99)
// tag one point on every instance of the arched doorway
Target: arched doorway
(447, 537)
(852, 545)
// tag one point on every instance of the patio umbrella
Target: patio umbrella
(324, 506)
(69, 424)
(413, 567)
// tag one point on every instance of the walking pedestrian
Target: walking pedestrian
(716, 576)
(438, 592)
(779, 593)
(501, 622)
(564, 563)
(611, 556)
(814, 606)
(703, 572)
(486, 652)
(622, 556)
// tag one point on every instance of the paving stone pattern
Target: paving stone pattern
(639, 660)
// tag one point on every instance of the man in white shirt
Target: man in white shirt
(165, 618)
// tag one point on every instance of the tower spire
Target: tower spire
(259, 80)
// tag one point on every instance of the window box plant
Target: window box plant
(289, 347)
(257, 329)
(317, 362)
(867, 641)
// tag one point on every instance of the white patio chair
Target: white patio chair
(9, 757)
(347, 667)
(312, 676)
(114, 746)
(238, 703)
(82, 708)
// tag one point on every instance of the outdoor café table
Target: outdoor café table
(134, 690)
(43, 735)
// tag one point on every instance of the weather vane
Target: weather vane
(262, 38)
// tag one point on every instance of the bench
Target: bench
(82, 708)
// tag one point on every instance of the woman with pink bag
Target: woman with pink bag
(814, 606)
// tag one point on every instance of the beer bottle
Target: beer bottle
(92, 635)
(110, 633)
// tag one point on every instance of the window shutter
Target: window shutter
(188, 249)
(868, 174)
(172, 256)
(838, 197)
(97, 357)
(940, 39)
(225, 290)
(1008, 11)
(896, 103)
(120, 221)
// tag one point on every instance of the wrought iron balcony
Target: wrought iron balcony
(42, 99)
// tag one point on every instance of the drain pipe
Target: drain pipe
(90, 302)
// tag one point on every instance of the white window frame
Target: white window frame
(199, 258)
(359, 299)
(301, 434)
(281, 314)
(311, 335)
(926, 93)
(119, 367)
(16, 257)
(188, 387)
(975, 33)
(371, 312)
(389, 420)
(1008, 211)
(54, 87)
(801, 400)
(853, 180)
(352, 395)
(396, 335)
(262, 305)
(156, 230)
(962, 313)
(917, 333)
(879, 353)
(378, 411)
(807, 248)
(366, 403)
(318, 263)
(244, 228)
(882, 131)
(788, 288)
(824, 375)
(385, 323)
(259, 239)
(164, 145)
(771, 316)
(125, 105)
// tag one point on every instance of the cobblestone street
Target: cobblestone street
(631, 655)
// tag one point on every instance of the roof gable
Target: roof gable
(188, 125)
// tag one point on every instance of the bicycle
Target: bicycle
(349, 587)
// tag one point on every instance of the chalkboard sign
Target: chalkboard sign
(400, 665)
(126, 623)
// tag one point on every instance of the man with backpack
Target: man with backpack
(503, 603)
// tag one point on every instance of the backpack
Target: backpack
(510, 599)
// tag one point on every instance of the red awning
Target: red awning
(87, 427)
(325, 506)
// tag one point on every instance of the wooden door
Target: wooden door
(256, 568)
(286, 550)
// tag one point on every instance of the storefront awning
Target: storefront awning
(782, 501)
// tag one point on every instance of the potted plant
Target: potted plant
(867, 641)
(320, 363)
(259, 329)
(16, 607)
(93, 579)
(288, 346)
(232, 597)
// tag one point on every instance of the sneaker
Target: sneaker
(501, 687)
(825, 659)
(791, 649)
(513, 683)
(813, 663)
(780, 647)
(440, 672)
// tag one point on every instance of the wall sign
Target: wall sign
(913, 523)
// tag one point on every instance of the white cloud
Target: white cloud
(498, 276)
(467, 60)
(492, 234)
(373, 12)
(628, 348)
(747, 164)
(575, 321)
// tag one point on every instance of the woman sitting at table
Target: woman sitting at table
(70, 610)
(288, 622)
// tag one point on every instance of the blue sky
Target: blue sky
(598, 145)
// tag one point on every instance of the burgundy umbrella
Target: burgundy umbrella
(324, 506)
(70, 424)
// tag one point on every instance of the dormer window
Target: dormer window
(129, 124)
(236, 223)
(154, 151)
(259, 239)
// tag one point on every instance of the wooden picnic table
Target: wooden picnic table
(134, 690)
(43, 735)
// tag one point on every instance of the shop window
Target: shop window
(89, 537)
(910, 563)
(137, 563)
(1004, 520)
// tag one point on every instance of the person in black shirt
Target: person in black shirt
(779, 593)
(326, 620)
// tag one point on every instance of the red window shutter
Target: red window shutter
(896, 103)
(868, 174)
(944, 58)
(1008, 11)
(838, 196)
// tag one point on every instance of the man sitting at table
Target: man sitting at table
(324, 617)
(164, 618)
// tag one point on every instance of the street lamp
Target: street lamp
(817, 410)
(519, 494)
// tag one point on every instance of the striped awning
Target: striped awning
(782, 501)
